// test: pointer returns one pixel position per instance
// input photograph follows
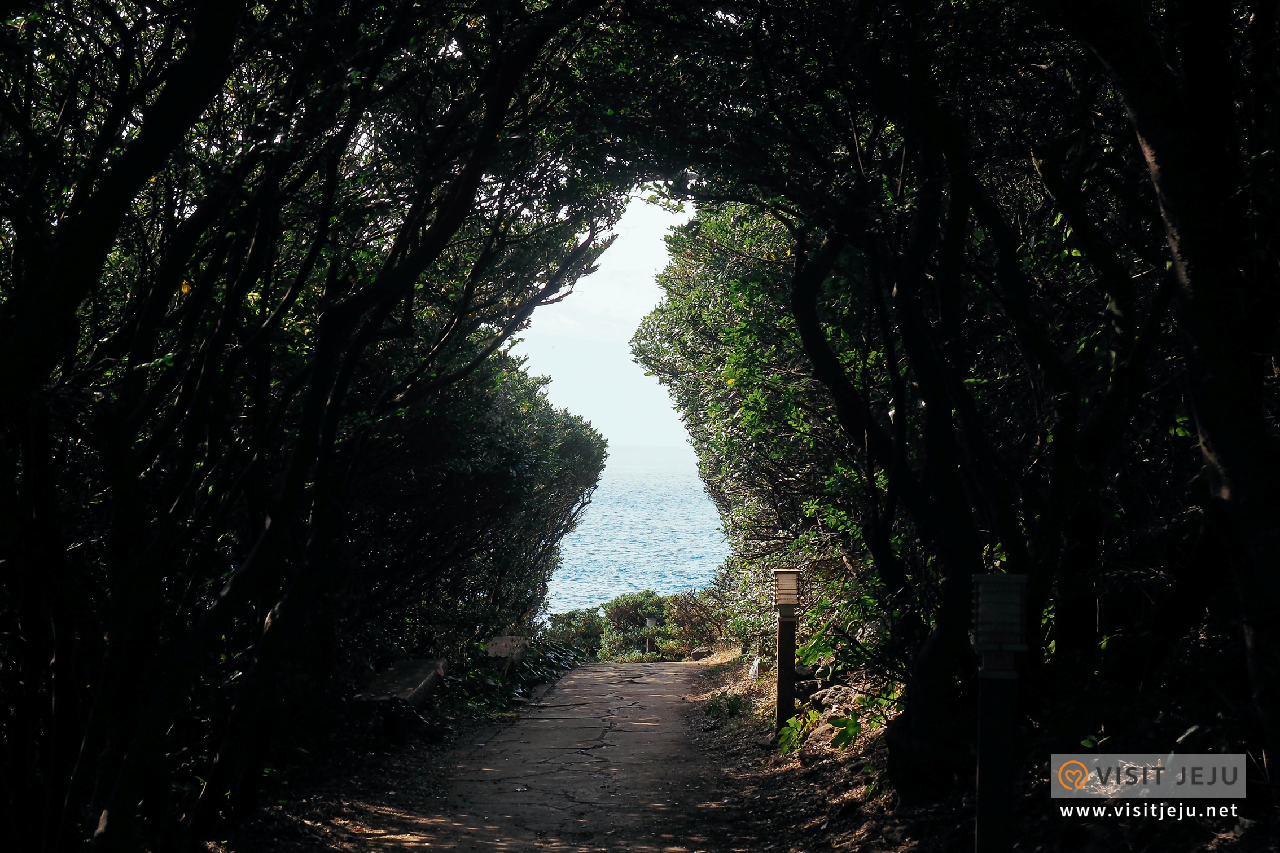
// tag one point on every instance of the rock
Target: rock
(835, 701)
(699, 653)
(409, 681)
(805, 689)
(817, 744)
(804, 672)
(399, 691)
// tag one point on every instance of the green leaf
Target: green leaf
(791, 738)
(849, 728)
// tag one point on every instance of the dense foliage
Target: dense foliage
(456, 512)
(259, 261)
(987, 285)
(645, 626)
(992, 287)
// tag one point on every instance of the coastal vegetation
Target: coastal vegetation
(971, 287)
(259, 433)
(981, 288)
(646, 626)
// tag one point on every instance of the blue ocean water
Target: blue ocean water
(649, 526)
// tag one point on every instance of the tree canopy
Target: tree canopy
(973, 286)
(260, 262)
(968, 285)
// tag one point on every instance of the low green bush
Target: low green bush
(617, 630)
(478, 687)
(692, 619)
(581, 629)
(640, 657)
(724, 705)
(626, 628)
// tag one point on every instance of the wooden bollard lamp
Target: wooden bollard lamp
(999, 632)
(786, 595)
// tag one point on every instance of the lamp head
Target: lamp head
(999, 612)
(786, 587)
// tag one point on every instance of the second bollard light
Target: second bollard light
(786, 595)
(999, 632)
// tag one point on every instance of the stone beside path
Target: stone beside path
(603, 762)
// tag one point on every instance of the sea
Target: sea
(650, 525)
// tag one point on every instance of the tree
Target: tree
(973, 244)
(241, 241)
(1194, 83)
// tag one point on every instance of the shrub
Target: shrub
(625, 630)
(692, 619)
(581, 629)
(640, 657)
(725, 704)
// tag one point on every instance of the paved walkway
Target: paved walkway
(602, 763)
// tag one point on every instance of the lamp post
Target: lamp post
(786, 595)
(999, 631)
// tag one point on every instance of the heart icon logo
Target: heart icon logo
(1073, 775)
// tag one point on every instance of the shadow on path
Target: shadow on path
(603, 762)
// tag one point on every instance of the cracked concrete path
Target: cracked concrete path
(603, 762)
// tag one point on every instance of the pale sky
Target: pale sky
(583, 343)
